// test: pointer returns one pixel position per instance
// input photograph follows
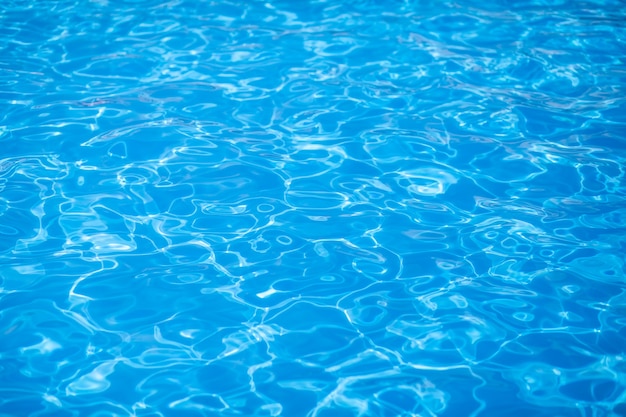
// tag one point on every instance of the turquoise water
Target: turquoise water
(312, 208)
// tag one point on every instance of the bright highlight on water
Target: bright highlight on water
(312, 208)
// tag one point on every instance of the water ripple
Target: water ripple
(312, 209)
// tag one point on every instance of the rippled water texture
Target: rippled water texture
(312, 208)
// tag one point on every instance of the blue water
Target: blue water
(312, 208)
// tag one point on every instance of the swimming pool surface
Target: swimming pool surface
(312, 208)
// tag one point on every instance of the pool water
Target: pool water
(312, 208)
